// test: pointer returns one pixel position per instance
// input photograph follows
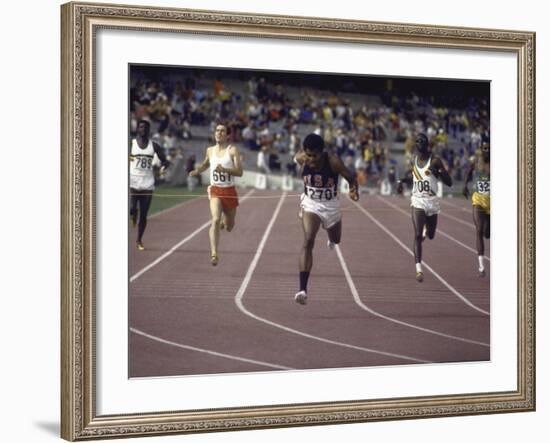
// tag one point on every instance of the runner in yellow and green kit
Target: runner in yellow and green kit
(480, 174)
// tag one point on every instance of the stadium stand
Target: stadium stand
(369, 122)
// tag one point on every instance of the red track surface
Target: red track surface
(187, 317)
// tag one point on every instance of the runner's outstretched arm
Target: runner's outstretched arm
(338, 166)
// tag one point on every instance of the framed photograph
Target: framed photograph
(275, 221)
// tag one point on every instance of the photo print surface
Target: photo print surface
(304, 221)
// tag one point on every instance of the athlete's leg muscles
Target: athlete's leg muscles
(487, 226)
(133, 205)
(419, 220)
(479, 221)
(335, 233)
(214, 232)
(230, 216)
(431, 224)
(310, 224)
(144, 205)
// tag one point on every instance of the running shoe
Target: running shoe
(330, 245)
(481, 272)
(222, 224)
(301, 297)
(419, 277)
(214, 259)
(140, 246)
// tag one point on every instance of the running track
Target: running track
(365, 307)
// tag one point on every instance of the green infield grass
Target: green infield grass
(166, 196)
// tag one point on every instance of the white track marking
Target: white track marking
(358, 300)
(206, 351)
(446, 203)
(459, 220)
(176, 246)
(429, 268)
(443, 233)
(169, 252)
(246, 281)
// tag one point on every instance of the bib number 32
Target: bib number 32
(483, 187)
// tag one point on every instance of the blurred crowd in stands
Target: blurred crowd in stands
(373, 136)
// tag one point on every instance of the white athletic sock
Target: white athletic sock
(480, 260)
(418, 267)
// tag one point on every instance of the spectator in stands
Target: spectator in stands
(249, 137)
(274, 161)
(293, 143)
(262, 160)
(176, 104)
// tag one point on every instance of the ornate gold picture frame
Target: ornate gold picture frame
(79, 396)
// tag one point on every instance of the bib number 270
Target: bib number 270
(320, 194)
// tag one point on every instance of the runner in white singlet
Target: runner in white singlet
(224, 162)
(142, 179)
(427, 169)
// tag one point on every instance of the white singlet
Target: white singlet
(220, 179)
(424, 189)
(141, 167)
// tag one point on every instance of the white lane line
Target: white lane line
(358, 300)
(439, 231)
(176, 246)
(206, 351)
(429, 268)
(459, 220)
(455, 206)
(240, 294)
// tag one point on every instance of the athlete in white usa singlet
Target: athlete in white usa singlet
(319, 204)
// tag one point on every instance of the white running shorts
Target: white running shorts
(430, 205)
(328, 212)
